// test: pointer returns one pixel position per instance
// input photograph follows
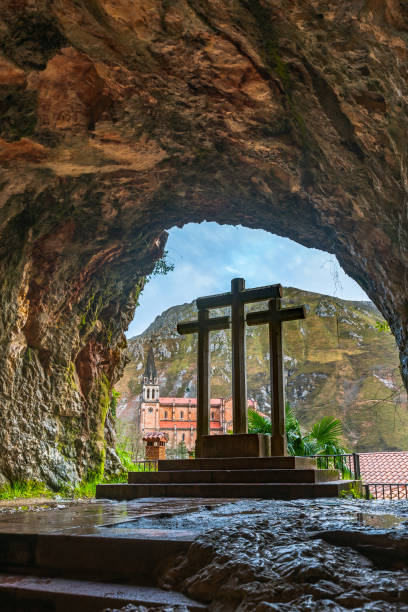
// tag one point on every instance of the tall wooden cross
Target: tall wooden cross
(275, 316)
(237, 298)
(203, 326)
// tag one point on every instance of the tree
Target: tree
(129, 440)
(133, 386)
(178, 451)
(163, 266)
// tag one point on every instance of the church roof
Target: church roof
(156, 436)
(186, 401)
(186, 425)
(150, 370)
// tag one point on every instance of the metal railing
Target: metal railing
(348, 464)
(386, 490)
(149, 465)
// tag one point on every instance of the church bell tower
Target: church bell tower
(150, 405)
(150, 389)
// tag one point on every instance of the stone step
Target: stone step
(239, 463)
(225, 490)
(38, 594)
(231, 476)
(134, 559)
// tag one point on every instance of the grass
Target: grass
(31, 488)
(85, 489)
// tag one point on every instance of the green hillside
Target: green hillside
(337, 363)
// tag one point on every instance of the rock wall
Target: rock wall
(123, 118)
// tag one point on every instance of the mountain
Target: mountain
(337, 363)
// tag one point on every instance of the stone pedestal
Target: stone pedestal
(154, 453)
(235, 445)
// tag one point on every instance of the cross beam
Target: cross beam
(203, 326)
(237, 298)
(275, 316)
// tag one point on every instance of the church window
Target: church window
(152, 393)
(181, 414)
(165, 414)
(183, 437)
(150, 409)
(212, 415)
(148, 393)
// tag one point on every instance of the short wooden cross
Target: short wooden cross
(203, 326)
(237, 298)
(274, 316)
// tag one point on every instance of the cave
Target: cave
(121, 120)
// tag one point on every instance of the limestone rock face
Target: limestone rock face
(123, 118)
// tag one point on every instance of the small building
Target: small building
(177, 416)
(155, 445)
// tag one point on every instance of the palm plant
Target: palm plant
(294, 439)
(257, 423)
(323, 439)
(325, 436)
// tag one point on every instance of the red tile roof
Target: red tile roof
(155, 436)
(185, 401)
(186, 424)
(385, 467)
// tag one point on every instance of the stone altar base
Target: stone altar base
(238, 445)
(233, 477)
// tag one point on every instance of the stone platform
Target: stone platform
(292, 555)
(91, 557)
(238, 477)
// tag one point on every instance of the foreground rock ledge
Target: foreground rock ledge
(122, 119)
(306, 555)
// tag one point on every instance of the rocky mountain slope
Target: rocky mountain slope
(337, 363)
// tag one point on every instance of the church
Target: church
(176, 416)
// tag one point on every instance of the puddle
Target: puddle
(195, 520)
(382, 521)
(155, 523)
(149, 533)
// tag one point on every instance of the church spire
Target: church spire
(150, 373)
(150, 387)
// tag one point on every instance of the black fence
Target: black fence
(146, 466)
(381, 490)
(347, 464)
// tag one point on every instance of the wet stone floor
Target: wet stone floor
(259, 555)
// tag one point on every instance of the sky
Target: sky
(206, 256)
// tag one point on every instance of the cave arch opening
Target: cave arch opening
(322, 361)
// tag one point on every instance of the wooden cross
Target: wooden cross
(203, 326)
(275, 316)
(237, 298)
